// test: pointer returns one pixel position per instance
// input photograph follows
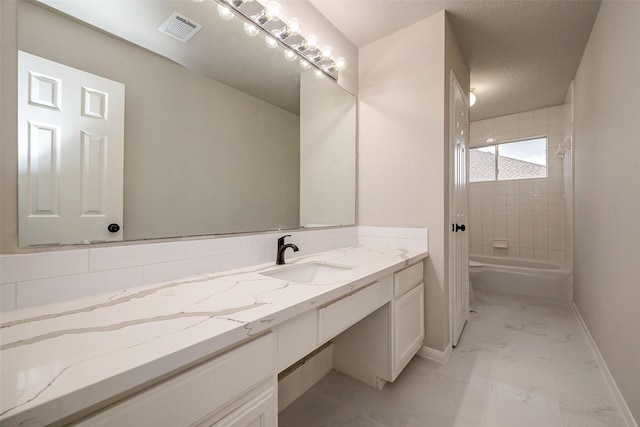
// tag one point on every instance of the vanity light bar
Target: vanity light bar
(286, 35)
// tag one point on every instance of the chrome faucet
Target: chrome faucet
(282, 247)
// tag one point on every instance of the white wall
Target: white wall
(530, 213)
(607, 192)
(402, 147)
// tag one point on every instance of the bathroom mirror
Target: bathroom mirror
(213, 127)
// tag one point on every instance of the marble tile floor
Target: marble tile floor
(521, 361)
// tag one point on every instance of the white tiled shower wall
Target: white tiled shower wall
(534, 215)
(32, 279)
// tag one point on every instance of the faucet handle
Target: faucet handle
(281, 239)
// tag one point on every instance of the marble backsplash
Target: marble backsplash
(27, 280)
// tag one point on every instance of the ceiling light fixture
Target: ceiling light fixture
(312, 39)
(283, 33)
(287, 34)
(263, 17)
(275, 10)
(472, 98)
(294, 25)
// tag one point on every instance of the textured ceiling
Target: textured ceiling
(522, 54)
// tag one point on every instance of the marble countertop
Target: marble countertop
(59, 359)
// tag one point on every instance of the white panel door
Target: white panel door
(70, 154)
(459, 202)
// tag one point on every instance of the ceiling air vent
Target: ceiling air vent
(180, 27)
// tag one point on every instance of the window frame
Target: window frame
(497, 154)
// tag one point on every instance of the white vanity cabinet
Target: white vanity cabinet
(366, 321)
(237, 388)
(376, 330)
(376, 349)
(407, 317)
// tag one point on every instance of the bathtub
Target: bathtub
(524, 277)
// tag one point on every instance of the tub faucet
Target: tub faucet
(282, 247)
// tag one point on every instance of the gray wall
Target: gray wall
(200, 157)
(327, 153)
(607, 195)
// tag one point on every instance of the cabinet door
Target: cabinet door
(260, 411)
(407, 327)
(187, 397)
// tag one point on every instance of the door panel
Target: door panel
(459, 252)
(70, 154)
(43, 163)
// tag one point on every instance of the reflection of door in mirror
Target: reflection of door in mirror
(70, 161)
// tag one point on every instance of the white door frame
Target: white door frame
(452, 217)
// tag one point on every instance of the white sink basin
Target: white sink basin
(311, 272)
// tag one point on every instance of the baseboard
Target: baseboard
(435, 355)
(626, 412)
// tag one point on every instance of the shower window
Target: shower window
(509, 160)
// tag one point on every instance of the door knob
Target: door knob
(458, 227)
(113, 228)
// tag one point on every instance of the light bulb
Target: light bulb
(251, 30)
(271, 42)
(312, 40)
(262, 18)
(294, 24)
(341, 63)
(282, 33)
(302, 46)
(225, 13)
(331, 67)
(275, 10)
(472, 98)
(304, 64)
(327, 51)
(316, 56)
(290, 55)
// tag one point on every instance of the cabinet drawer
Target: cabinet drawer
(406, 279)
(191, 395)
(297, 338)
(338, 316)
